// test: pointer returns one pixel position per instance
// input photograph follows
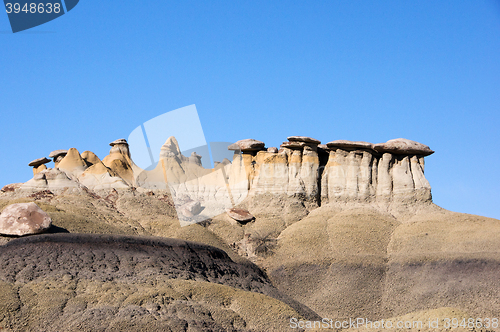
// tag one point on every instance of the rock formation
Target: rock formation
(387, 175)
(23, 218)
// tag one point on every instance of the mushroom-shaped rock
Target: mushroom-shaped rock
(341, 143)
(403, 146)
(39, 161)
(39, 165)
(58, 155)
(323, 147)
(304, 139)
(247, 145)
(120, 146)
(240, 215)
(119, 141)
(23, 218)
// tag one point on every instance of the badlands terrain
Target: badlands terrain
(302, 232)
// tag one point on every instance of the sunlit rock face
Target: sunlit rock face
(389, 176)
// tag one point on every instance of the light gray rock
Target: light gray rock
(247, 145)
(403, 146)
(195, 158)
(191, 209)
(23, 219)
(39, 161)
(304, 139)
(240, 215)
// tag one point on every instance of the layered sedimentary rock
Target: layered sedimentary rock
(356, 171)
(340, 171)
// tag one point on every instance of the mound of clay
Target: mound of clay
(116, 277)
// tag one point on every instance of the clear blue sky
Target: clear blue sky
(358, 70)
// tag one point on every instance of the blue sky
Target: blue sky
(358, 70)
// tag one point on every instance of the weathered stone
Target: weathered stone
(272, 149)
(54, 154)
(240, 215)
(304, 139)
(195, 158)
(11, 187)
(403, 146)
(293, 145)
(90, 158)
(119, 141)
(191, 209)
(73, 162)
(23, 218)
(349, 144)
(247, 145)
(323, 147)
(39, 161)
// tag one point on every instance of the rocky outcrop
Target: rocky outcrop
(23, 219)
(386, 175)
(358, 171)
(39, 165)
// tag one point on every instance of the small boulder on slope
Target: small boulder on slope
(23, 219)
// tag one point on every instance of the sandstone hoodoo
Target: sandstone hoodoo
(39, 164)
(23, 219)
(343, 229)
(57, 155)
(247, 145)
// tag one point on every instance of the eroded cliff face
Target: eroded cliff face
(389, 176)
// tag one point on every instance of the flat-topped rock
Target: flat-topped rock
(39, 161)
(304, 139)
(119, 141)
(247, 145)
(403, 146)
(341, 143)
(240, 215)
(23, 219)
(293, 145)
(56, 153)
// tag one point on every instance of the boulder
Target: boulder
(304, 139)
(403, 146)
(247, 145)
(272, 149)
(349, 144)
(23, 219)
(39, 161)
(191, 209)
(240, 215)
